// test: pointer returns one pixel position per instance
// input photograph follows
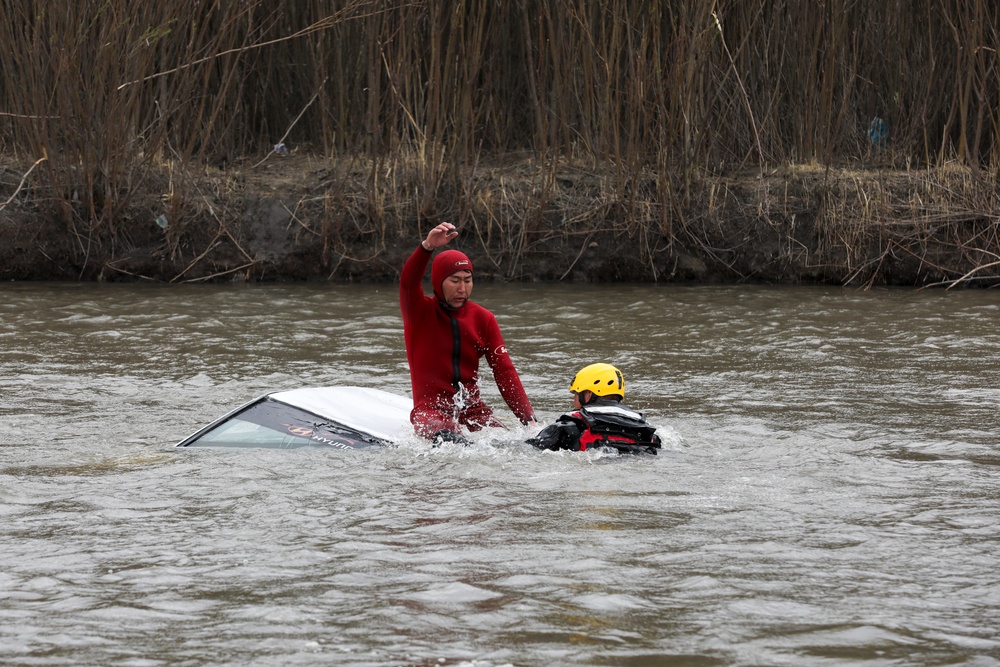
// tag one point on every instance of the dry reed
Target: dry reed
(652, 99)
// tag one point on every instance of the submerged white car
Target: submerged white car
(339, 417)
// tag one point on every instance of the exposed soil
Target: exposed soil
(300, 217)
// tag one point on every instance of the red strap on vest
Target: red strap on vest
(588, 438)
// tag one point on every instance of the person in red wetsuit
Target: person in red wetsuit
(599, 419)
(446, 335)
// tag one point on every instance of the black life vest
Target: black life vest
(616, 426)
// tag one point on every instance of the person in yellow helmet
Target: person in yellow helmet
(599, 419)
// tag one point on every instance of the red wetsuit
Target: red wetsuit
(443, 348)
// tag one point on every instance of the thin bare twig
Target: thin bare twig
(966, 277)
(220, 273)
(319, 89)
(110, 265)
(322, 24)
(23, 116)
(45, 156)
(586, 243)
(743, 90)
(211, 246)
(293, 216)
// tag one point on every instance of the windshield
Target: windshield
(268, 423)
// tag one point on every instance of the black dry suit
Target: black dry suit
(601, 423)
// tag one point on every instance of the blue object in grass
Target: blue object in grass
(878, 132)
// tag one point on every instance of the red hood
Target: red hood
(445, 264)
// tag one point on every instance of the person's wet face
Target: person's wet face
(457, 288)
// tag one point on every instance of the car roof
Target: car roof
(381, 413)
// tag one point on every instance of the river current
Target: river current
(828, 492)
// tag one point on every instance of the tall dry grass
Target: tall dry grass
(650, 94)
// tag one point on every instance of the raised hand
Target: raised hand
(439, 236)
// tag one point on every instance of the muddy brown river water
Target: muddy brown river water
(828, 494)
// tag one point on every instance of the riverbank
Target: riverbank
(302, 217)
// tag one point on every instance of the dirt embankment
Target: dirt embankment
(300, 217)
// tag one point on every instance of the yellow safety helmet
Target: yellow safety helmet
(602, 379)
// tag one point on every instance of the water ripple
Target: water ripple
(827, 494)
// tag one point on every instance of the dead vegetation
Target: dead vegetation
(848, 143)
